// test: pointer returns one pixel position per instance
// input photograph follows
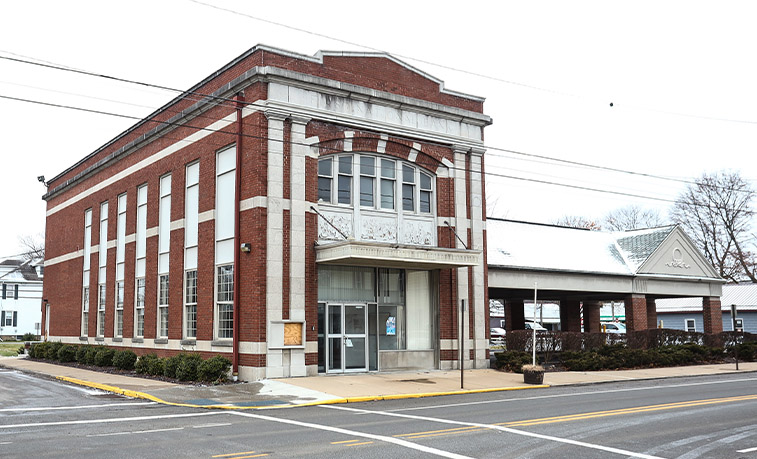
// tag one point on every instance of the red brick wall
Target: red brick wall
(712, 314)
(636, 312)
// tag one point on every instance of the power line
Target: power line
(463, 71)
(233, 103)
(491, 174)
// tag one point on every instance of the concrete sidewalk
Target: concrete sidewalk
(323, 389)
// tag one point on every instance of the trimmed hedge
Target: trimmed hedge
(619, 356)
(514, 360)
(124, 359)
(184, 366)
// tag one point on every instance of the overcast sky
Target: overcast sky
(680, 76)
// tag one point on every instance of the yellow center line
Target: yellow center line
(233, 454)
(582, 416)
(640, 409)
(245, 457)
(344, 441)
(357, 444)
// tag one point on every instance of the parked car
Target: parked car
(497, 336)
(535, 326)
(613, 327)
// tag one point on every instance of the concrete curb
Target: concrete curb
(335, 401)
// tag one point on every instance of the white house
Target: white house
(20, 297)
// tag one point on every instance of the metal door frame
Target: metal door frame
(345, 336)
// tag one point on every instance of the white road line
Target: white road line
(205, 426)
(748, 450)
(5, 442)
(157, 430)
(106, 421)
(500, 428)
(576, 394)
(396, 441)
(101, 405)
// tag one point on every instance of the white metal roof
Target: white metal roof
(744, 296)
(547, 247)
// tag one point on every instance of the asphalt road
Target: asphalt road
(683, 417)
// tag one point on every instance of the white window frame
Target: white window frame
(163, 295)
(139, 307)
(693, 327)
(191, 215)
(119, 319)
(101, 299)
(85, 311)
(397, 181)
(190, 306)
(84, 328)
(224, 306)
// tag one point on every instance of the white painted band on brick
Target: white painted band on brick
(177, 224)
(151, 232)
(183, 143)
(66, 257)
(253, 203)
(206, 216)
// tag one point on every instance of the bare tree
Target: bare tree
(717, 214)
(632, 217)
(575, 221)
(32, 246)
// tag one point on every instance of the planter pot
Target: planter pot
(533, 376)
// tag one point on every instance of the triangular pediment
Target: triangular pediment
(678, 256)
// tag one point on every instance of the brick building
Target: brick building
(297, 214)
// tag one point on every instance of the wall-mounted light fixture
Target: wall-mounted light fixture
(246, 247)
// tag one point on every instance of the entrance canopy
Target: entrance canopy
(356, 253)
(580, 267)
(570, 262)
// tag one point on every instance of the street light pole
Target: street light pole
(533, 340)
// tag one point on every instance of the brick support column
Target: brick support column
(636, 312)
(570, 316)
(651, 313)
(514, 315)
(591, 316)
(712, 314)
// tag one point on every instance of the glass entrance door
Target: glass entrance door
(347, 338)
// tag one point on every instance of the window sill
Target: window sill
(161, 340)
(188, 342)
(84, 338)
(118, 340)
(137, 340)
(99, 339)
(222, 343)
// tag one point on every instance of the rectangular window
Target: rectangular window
(141, 254)
(9, 319)
(225, 301)
(325, 175)
(190, 302)
(85, 275)
(408, 188)
(425, 193)
(163, 306)
(85, 312)
(691, 325)
(367, 180)
(387, 183)
(119, 309)
(739, 325)
(191, 208)
(164, 243)
(139, 323)
(344, 180)
(101, 310)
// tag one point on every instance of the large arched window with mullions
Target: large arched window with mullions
(375, 182)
